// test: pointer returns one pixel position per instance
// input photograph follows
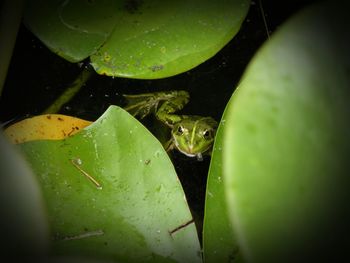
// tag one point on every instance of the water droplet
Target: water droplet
(157, 153)
(160, 187)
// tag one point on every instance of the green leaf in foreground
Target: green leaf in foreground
(24, 226)
(287, 143)
(133, 38)
(219, 243)
(130, 206)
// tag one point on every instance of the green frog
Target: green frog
(191, 135)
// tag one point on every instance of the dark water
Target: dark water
(36, 77)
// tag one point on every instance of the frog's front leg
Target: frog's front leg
(160, 103)
(175, 101)
(169, 146)
(141, 105)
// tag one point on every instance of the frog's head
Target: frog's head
(194, 135)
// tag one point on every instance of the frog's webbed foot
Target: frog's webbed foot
(199, 157)
(141, 105)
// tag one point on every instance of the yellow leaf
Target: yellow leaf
(45, 127)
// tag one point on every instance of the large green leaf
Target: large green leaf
(137, 39)
(24, 224)
(140, 202)
(163, 38)
(219, 243)
(72, 29)
(286, 139)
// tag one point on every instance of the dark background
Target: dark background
(36, 77)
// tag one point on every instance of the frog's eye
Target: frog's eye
(207, 134)
(180, 130)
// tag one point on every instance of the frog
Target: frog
(191, 135)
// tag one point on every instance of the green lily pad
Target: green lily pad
(134, 38)
(72, 29)
(286, 138)
(112, 193)
(164, 38)
(219, 241)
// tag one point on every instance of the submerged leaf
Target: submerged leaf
(45, 127)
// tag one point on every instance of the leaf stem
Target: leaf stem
(71, 90)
